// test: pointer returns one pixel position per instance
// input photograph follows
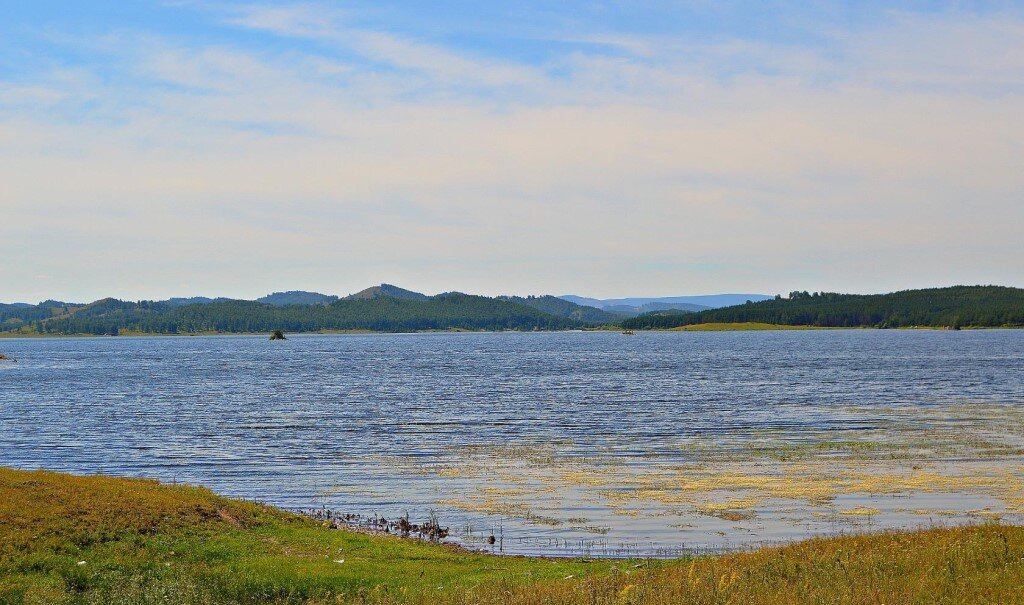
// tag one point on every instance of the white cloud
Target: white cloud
(237, 169)
(970, 55)
(303, 20)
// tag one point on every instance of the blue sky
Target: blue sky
(153, 149)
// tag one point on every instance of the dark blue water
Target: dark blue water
(358, 422)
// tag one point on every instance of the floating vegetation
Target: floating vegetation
(860, 511)
(929, 512)
(593, 529)
(494, 506)
(954, 462)
(582, 477)
(733, 509)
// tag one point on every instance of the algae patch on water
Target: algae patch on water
(964, 460)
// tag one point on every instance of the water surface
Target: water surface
(554, 442)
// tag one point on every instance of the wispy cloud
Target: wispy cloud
(436, 61)
(302, 20)
(294, 139)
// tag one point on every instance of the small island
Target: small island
(277, 335)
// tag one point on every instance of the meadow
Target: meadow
(95, 539)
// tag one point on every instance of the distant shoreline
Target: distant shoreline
(709, 327)
(389, 309)
(12, 335)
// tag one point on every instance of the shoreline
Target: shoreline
(71, 538)
(380, 527)
(710, 327)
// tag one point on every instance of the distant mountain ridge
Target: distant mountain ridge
(655, 306)
(637, 305)
(304, 311)
(564, 308)
(192, 300)
(388, 308)
(297, 297)
(378, 312)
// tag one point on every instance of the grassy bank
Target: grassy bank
(70, 539)
(753, 326)
(745, 326)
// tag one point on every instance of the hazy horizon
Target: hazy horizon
(603, 149)
(433, 292)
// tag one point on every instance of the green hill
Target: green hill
(382, 312)
(296, 297)
(954, 307)
(563, 308)
(13, 316)
(388, 308)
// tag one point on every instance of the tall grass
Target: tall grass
(69, 539)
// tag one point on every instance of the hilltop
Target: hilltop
(387, 290)
(297, 297)
(192, 300)
(953, 307)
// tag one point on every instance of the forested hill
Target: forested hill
(958, 306)
(296, 297)
(563, 308)
(381, 313)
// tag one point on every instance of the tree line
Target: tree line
(381, 314)
(954, 307)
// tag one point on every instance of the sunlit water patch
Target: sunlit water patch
(566, 443)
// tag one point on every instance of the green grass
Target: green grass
(141, 534)
(71, 539)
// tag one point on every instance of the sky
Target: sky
(604, 148)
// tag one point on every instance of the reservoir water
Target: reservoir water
(560, 443)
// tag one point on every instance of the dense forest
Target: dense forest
(296, 297)
(382, 313)
(12, 316)
(958, 306)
